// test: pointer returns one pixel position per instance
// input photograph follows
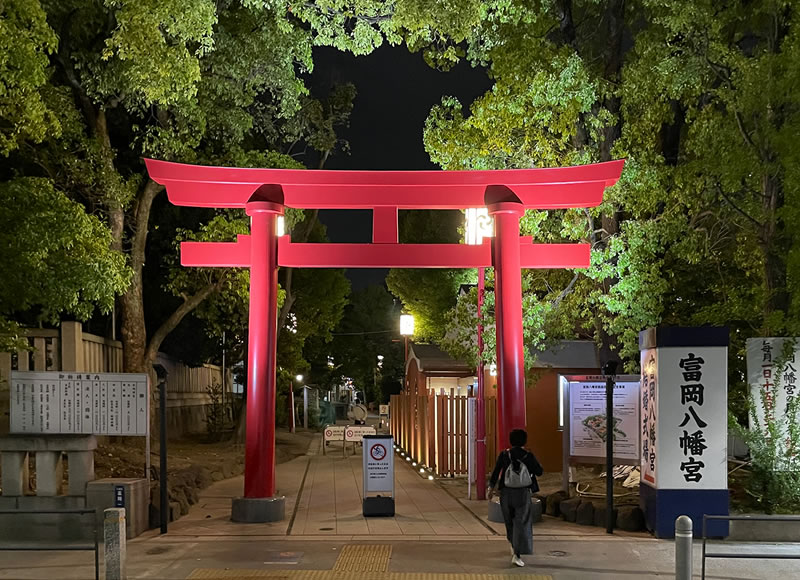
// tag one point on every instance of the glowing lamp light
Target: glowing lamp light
(422, 471)
(478, 224)
(406, 324)
(299, 378)
(280, 228)
(430, 477)
(414, 463)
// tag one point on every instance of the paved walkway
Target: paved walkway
(436, 535)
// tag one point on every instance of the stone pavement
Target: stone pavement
(435, 536)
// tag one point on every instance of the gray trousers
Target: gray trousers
(516, 506)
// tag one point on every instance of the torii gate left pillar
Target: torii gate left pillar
(260, 503)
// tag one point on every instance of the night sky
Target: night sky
(396, 91)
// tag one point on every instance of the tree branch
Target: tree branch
(142, 219)
(738, 209)
(566, 291)
(745, 135)
(175, 318)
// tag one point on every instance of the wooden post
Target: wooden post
(72, 346)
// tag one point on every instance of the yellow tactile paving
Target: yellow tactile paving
(208, 574)
(363, 558)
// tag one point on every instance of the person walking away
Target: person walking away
(514, 476)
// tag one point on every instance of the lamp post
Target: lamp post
(406, 329)
(478, 225)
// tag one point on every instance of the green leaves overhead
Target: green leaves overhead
(25, 43)
(56, 258)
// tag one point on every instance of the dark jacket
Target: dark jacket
(517, 454)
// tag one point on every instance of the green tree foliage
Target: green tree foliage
(89, 88)
(428, 294)
(368, 328)
(56, 258)
(700, 99)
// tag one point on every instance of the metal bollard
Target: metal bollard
(683, 548)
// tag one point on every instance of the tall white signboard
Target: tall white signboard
(79, 403)
(683, 425)
(692, 429)
(774, 383)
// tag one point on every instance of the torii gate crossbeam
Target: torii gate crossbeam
(264, 193)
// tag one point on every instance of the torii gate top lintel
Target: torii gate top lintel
(230, 187)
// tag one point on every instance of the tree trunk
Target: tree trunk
(775, 277)
(134, 331)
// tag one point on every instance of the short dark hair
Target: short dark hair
(518, 438)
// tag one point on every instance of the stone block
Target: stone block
(553, 502)
(81, 471)
(536, 509)
(49, 473)
(44, 503)
(30, 529)
(8, 502)
(630, 519)
(174, 511)
(585, 514)
(217, 476)
(600, 516)
(258, 510)
(59, 443)
(14, 472)
(569, 508)
(100, 494)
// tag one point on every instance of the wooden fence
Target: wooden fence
(432, 429)
(71, 349)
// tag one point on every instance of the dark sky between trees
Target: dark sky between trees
(396, 90)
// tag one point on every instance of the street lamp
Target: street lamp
(478, 224)
(406, 329)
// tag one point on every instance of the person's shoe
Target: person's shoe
(517, 561)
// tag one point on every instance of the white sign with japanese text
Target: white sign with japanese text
(691, 423)
(648, 414)
(80, 403)
(774, 380)
(587, 412)
(333, 432)
(354, 433)
(378, 464)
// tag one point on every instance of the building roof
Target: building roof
(432, 359)
(575, 354)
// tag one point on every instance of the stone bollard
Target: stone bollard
(115, 548)
(683, 548)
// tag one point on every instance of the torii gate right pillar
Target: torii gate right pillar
(508, 299)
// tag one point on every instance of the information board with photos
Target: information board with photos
(79, 403)
(587, 417)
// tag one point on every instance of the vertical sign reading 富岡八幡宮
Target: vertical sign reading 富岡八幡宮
(773, 371)
(683, 424)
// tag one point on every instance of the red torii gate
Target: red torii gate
(264, 193)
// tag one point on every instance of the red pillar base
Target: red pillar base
(258, 510)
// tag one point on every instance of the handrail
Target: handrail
(752, 518)
(60, 547)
